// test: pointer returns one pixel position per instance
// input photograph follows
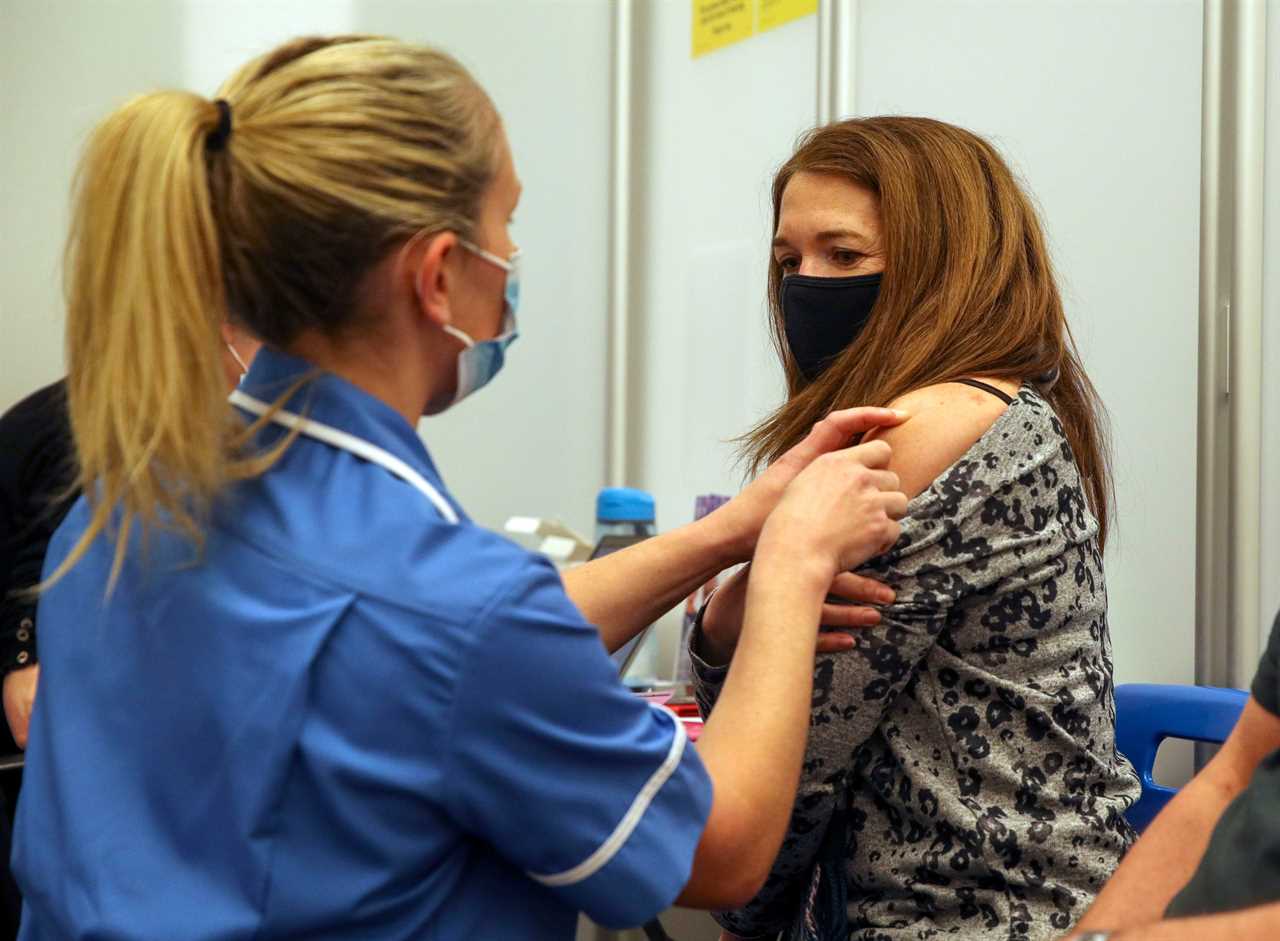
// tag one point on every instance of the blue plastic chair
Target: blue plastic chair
(1148, 713)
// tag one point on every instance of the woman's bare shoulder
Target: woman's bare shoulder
(946, 421)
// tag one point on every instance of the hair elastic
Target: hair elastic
(217, 138)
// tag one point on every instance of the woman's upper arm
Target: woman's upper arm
(946, 421)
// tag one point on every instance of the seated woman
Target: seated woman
(963, 748)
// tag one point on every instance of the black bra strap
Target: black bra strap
(986, 388)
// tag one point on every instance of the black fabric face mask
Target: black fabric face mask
(823, 316)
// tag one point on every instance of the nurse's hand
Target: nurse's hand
(848, 606)
(744, 516)
(838, 512)
(19, 698)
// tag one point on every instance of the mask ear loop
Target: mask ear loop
(506, 264)
(417, 283)
(244, 368)
(458, 335)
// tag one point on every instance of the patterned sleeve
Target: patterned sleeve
(707, 680)
(947, 551)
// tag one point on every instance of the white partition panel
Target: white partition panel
(534, 441)
(1097, 106)
(221, 35)
(63, 66)
(710, 133)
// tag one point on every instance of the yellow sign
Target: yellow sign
(774, 13)
(720, 23)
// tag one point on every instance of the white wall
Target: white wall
(533, 442)
(1097, 106)
(218, 36)
(63, 66)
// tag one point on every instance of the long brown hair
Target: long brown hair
(968, 289)
(339, 150)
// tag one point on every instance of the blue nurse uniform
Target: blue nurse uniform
(354, 715)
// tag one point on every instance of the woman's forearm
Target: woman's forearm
(627, 590)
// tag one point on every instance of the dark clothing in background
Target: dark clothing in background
(36, 468)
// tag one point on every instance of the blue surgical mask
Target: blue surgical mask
(481, 360)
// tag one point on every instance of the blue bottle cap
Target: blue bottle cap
(624, 505)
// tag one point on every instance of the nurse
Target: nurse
(289, 689)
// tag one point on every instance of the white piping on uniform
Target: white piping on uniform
(622, 832)
(350, 443)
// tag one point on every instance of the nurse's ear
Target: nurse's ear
(432, 272)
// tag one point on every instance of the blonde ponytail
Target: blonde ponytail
(341, 149)
(145, 299)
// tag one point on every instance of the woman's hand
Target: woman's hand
(847, 606)
(19, 698)
(744, 516)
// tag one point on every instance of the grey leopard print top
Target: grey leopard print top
(972, 731)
